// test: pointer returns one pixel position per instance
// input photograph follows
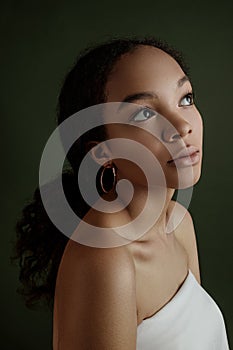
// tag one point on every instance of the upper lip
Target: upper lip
(185, 152)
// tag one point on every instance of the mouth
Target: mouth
(188, 156)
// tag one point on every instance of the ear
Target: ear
(99, 152)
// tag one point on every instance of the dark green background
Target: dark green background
(39, 43)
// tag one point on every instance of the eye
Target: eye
(145, 113)
(187, 100)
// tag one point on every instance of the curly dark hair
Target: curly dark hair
(39, 245)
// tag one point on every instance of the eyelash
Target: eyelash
(189, 94)
(143, 108)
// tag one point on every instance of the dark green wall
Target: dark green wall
(39, 42)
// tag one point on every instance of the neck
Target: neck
(156, 210)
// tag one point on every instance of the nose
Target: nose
(176, 130)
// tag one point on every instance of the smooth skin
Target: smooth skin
(103, 294)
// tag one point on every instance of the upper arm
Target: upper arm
(185, 233)
(96, 299)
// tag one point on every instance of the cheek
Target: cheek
(132, 133)
(135, 151)
(130, 137)
(197, 124)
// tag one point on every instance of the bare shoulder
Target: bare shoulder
(185, 234)
(99, 260)
(96, 298)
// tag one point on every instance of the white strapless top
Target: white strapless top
(191, 320)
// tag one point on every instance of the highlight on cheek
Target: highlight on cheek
(129, 149)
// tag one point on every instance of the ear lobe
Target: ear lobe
(99, 152)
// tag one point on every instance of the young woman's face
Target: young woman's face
(151, 78)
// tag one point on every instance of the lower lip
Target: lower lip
(185, 161)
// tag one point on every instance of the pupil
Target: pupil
(146, 113)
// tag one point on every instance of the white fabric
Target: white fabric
(190, 321)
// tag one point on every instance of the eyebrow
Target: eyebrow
(140, 96)
(144, 95)
(182, 81)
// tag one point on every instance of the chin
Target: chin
(184, 181)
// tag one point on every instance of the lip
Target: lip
(187, 156)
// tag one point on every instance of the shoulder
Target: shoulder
(109, 265)
(98, 260)
(98, 288)
(185, 234)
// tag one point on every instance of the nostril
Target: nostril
(170, 136)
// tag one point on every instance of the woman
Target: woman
(145, 294)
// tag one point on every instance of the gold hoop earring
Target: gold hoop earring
(108, 172)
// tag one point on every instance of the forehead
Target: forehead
(146, 68)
